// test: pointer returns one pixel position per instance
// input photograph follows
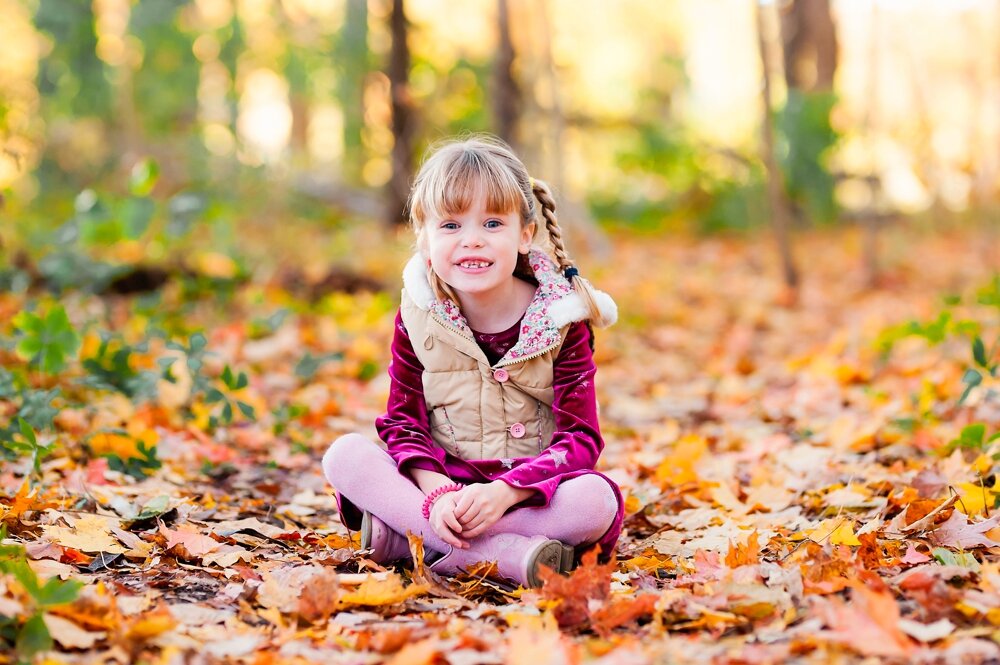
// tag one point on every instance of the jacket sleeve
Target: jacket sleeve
(576, 442)
(405, 427)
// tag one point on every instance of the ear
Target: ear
(527, 235)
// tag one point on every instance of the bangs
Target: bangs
(452, 178)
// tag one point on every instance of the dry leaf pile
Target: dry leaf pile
(795, 491)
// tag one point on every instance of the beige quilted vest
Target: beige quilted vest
(477, 411)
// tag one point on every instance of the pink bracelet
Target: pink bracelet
(437, 494)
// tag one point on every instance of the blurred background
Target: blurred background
(264, 132)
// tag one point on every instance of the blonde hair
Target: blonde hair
(452, 176)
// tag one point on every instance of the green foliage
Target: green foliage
(973, 437)
(111, 369)
(804, 138)
(138, 467)
(46, 342)
(232, 383)
(946, 326)
(25, 443)
(309, 364)
(28, 636)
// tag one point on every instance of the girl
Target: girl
(491, 425)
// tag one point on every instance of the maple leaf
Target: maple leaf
(869, 625)
(743, 555)
(622, 610)
(189, 543)
(21, 503)
(376, 592)
(958, 532)
(90, 533)
(590, 581)
(320, 597)
(677, 468)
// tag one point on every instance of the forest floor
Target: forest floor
(804, 482)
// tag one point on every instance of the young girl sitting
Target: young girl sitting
(491, 424)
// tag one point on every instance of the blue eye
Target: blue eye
(494, 224)
(451, 226)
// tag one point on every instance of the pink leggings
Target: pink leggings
(582, 509)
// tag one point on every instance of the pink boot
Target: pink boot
(517, 557)
(386, 545)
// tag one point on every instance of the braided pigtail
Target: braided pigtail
(566, 264)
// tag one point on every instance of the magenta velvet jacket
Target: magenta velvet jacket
(576, 443)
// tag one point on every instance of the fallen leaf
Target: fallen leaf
(90, 533)
(927, 632)
(589, 582)
(189, 543)
(958, 532)
(69, 635)
(388, 591)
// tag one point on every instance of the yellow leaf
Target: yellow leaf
(836, 530)
(121, 445)
(678, 467)
(388, 591)
(214, 264)
(974, 498)
(91, 533)
(151, 624)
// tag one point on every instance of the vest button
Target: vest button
(501, 375)
(517, 430)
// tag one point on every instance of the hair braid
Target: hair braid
(544, 196)
(580, 285)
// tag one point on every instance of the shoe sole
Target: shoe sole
(549, 553)
(366, 530)
(567, 562)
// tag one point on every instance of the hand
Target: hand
(444, 522)
(479, 506)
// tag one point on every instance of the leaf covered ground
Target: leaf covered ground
(808, 479)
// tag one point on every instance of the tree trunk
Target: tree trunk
(353, 50)
(777, 202)
(506, 94)
(810, 43)
(402, 117)
(870, 225)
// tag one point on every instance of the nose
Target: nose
(472, 238)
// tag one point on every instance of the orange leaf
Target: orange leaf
(622, 610)
(743, 555)
(869, 624)
(424, 652)
(590, 581)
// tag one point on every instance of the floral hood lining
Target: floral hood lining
(555, 305)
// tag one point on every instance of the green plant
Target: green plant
(27, 444)
(46, 342)
(233, 383)
(973, 437)
(28, 635)
(110, 369)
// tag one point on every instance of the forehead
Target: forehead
(469, 183)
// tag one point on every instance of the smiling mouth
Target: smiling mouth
(473, 265)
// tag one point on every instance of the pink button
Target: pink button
(501, 375)
(517, 430)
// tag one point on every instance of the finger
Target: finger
(470, 516)
(452, 522)
(479, 526)
(463, 502)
